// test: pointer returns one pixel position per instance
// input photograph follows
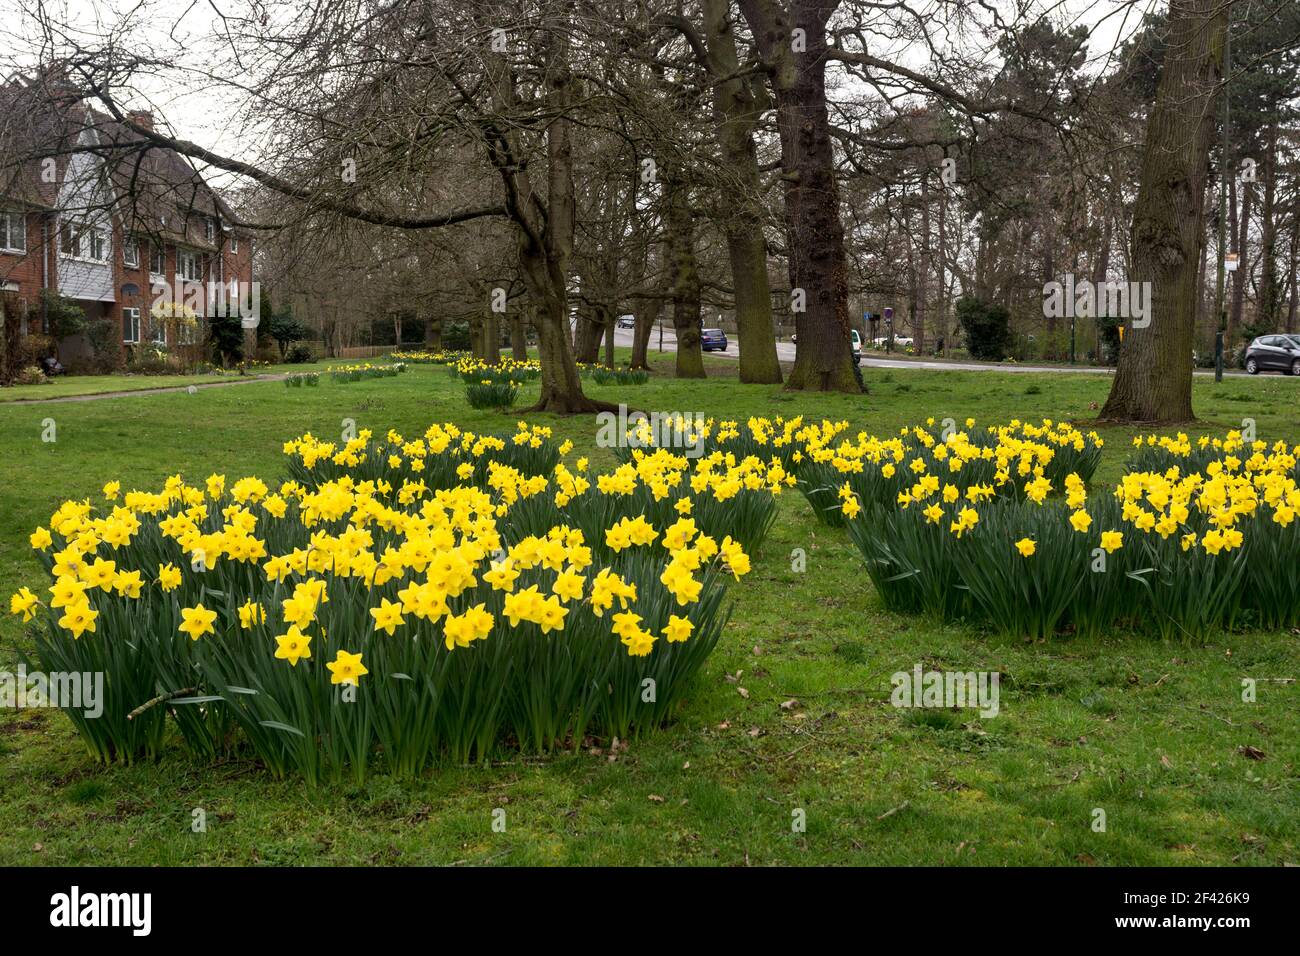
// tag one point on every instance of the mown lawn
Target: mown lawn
(792, 712)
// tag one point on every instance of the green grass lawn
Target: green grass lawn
(791, 713)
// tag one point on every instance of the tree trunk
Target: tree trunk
(737, 111)
(815, 235)
(923, 270)
(544, 229)
(1242, 231)
(1266, 318)
(518, 338)
(1294, 260)
(647, 313)
(1153, 382)
(587, 347)
(433, 335)
(684, 275)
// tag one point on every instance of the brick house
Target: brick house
(92, 211)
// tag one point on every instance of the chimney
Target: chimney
(141, 118)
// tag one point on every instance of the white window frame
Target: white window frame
(186, 257)
(209, 228)
(158, 328)
(159, 251)
(7, 244)
(83, 242)
(234, 244)
(96, 237)
(132, 313)
(131, 253)
(70, 236)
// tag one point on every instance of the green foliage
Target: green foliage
(987, 327)
(64, 316)
(491, 394)
(226, 339)
(602, 375)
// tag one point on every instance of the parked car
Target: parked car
(1278, 353)
(626, 322)
(712, 340)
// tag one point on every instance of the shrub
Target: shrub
(456, 337)
(29, 375)
(298, 355)
(987, 328)
(226, 339)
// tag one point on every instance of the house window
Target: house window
(234, 244)
(97, 246)
(185, 333)
(131, 254)
(159, 332)
(13, 232)
(69, 239)
(209, 229)
(157, 261)
(131, 326)
(191, 266)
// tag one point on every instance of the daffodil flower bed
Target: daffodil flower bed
(1175, 553)
(426, 357)
(1020, 459)
(474, 371)
(602, 375)
(344, 374)
(351, 618)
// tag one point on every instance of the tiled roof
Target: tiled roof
(157, 191)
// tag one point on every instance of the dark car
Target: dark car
(713, 340)
(627, 322)
(1276, 353)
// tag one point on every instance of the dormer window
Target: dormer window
(209, 229)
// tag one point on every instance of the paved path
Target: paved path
(785, 353)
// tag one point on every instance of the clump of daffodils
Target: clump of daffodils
(981, 527)
(451, 596)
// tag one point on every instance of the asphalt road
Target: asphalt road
(785, 353)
